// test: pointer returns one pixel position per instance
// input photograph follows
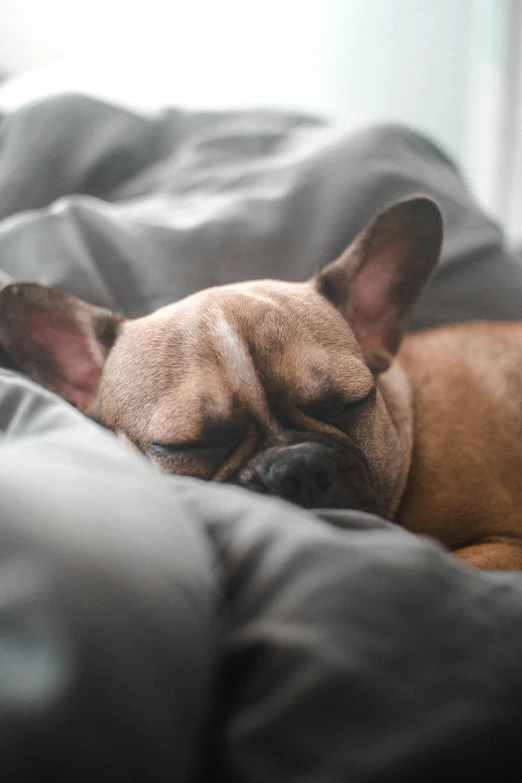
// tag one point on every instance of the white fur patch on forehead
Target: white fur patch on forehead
(238, 364)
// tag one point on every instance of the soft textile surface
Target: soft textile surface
(135, 646)
(183, 201)
(157, 628)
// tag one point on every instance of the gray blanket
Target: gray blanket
(157, 628)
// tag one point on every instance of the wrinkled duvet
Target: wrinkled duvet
(155, 628)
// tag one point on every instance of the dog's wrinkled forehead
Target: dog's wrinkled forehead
(260, 326)
(244, 343)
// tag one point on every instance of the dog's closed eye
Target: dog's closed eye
(195, 450)
(333, 409)
(216, 446)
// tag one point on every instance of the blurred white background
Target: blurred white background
(452, 68)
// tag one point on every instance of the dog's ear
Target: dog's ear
(60, 341)
(377, 280)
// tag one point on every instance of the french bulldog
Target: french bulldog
(308, 390)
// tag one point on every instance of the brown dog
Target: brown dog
(292, 389)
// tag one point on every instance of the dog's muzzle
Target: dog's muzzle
(312, 474)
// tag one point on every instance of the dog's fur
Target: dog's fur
(294, 389)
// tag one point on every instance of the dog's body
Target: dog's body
(292, 389)
(464, 484)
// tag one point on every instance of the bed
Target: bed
(158, 628)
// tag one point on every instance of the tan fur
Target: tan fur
(465, 484)
(170, 370)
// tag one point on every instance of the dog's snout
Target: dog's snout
(305, 474)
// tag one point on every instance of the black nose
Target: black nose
(305, 474)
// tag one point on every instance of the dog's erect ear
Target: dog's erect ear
(377, 280)
(60, 341)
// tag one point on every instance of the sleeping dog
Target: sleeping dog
(307, 390)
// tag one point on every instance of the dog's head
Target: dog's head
(286, 388)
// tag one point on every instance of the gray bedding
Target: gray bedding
(157, 628)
